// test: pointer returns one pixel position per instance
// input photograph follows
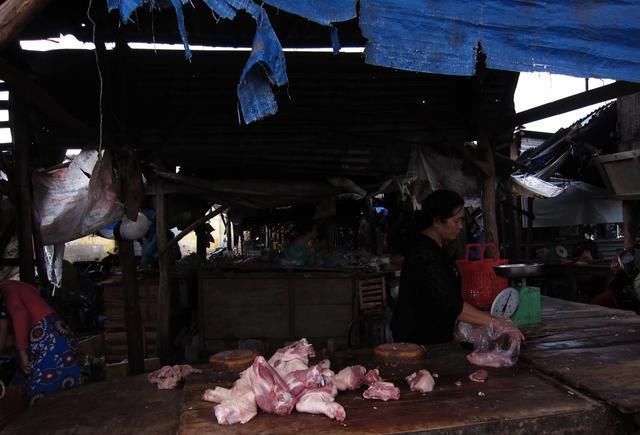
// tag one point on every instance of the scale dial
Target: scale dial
(505, 303)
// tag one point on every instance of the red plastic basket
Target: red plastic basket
(480, 284)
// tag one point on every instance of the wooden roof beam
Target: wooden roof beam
(15, 15)
(587, 98)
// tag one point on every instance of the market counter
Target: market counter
(513, 400)
(580, 348)
(591, 348)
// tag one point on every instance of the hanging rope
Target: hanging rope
(101, 84)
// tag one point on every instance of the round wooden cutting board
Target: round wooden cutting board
(399, 351)
(233, 360)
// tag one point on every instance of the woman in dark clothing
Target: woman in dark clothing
(430, 302)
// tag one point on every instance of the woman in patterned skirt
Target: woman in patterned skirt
(46, 349)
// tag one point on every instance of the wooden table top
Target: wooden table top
(512, 400)
(126, 406)
(589, 347)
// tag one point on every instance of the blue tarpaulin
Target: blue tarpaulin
(321, 11)
(584, 39)
(264, 68)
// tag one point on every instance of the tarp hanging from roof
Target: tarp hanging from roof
(580, 203)
(584, 39)
(266, 65)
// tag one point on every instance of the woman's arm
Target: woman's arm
(471, 314)
(25, 364)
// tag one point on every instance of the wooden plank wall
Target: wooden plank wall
(275, 307)
(115, 329)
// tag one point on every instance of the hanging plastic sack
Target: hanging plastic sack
(53, 258)
(480, 284)
(77, 200)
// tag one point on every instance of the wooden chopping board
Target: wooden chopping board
(399, 352)
(233, 360)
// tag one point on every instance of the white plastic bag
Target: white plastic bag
(77, 200)
(495, 345)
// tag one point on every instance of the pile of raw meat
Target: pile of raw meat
(286, 382)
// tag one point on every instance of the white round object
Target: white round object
(562, 251)
(133, 230)
(505, 303)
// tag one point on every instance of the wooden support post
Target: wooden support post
(228, 229)
(132, 315)
(488, 188)
(202, 242)
(229, 232)
(23, 186)
(164, 297)
(630, 223)
(130, 178)
(516, 224)
(530, 219)
(487, 161)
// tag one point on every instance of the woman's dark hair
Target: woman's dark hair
(440, 204)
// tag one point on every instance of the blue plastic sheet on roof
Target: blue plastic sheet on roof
(335, 39)
(221, 8)
(585, 39)
(265, 67)
(322, 12)
(181, 27)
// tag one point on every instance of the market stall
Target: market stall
(512, 400)
(580, 380)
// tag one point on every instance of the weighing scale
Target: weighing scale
(506, 303)
(520, 303)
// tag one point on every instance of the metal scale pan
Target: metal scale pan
(506, 302)
(519, 270)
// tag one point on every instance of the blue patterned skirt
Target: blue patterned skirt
(52, 352)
